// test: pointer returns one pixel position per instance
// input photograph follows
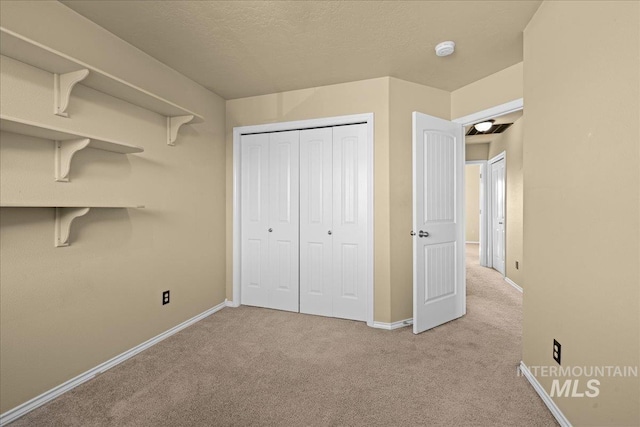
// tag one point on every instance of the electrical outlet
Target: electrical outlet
(557, 351)
(165, 297)
(517, 265)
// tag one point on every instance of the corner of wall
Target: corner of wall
(496, 89)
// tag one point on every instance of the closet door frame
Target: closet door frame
(366, 118)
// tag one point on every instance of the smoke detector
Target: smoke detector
(445, 48)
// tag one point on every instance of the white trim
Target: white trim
(553, 408)
(228, 303)
(490, 113)
(498, 157)
(295, 125)
(236, 217)
(512, 283)
(472, 242)
(47, 396)
(370, 220)
(305, 124)
(394, 325)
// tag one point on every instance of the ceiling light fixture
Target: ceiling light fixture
(445, 48)
(484, 126)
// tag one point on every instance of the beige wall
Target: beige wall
(472, 195)
(404, 99)
(511, 142)
(476, 152)
(581, 198)
(496, 89)
(66, 310)
(327, 101)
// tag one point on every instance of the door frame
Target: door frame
(365, 118)
(486, 114)
(489, 196)
(482, 235)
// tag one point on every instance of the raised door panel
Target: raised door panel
(284, 220)
(316, 284)
(254, 181)
(350, 221)
(439, 179)
(439, 271)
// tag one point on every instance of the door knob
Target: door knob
(423, 234)
(270, 230)
(329, 232)
(413, 233)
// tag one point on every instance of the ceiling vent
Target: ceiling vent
(496, 128)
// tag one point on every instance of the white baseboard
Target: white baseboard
(25, 408)
(394, 325)
(553, 408)
(475, 243)
(230, 303)
(512, 283)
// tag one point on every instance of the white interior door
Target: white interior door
(284, 219)
(350, 218)
(333, 221)
(316, 221)
(498, 214)
(254, 276)
(439, 289)
(270, 220)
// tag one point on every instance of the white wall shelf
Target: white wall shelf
(67, 143)
(65, 214)
(69, 71)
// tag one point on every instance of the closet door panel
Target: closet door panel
(255, 275)
(350, 221)
(316, 220)
(284, 220)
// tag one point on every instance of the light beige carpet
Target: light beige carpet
(252, 366)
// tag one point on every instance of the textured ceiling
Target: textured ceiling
(245, 48)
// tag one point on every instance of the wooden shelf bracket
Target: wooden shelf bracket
(64, 218)
(62, 86)
(65, 151)
(173, 125)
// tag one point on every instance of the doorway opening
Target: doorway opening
(475, 227)
(439, 236)
(489, 195)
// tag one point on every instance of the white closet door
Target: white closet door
(284, 220)
(316, 219)
(254, 179)
(350, 221)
